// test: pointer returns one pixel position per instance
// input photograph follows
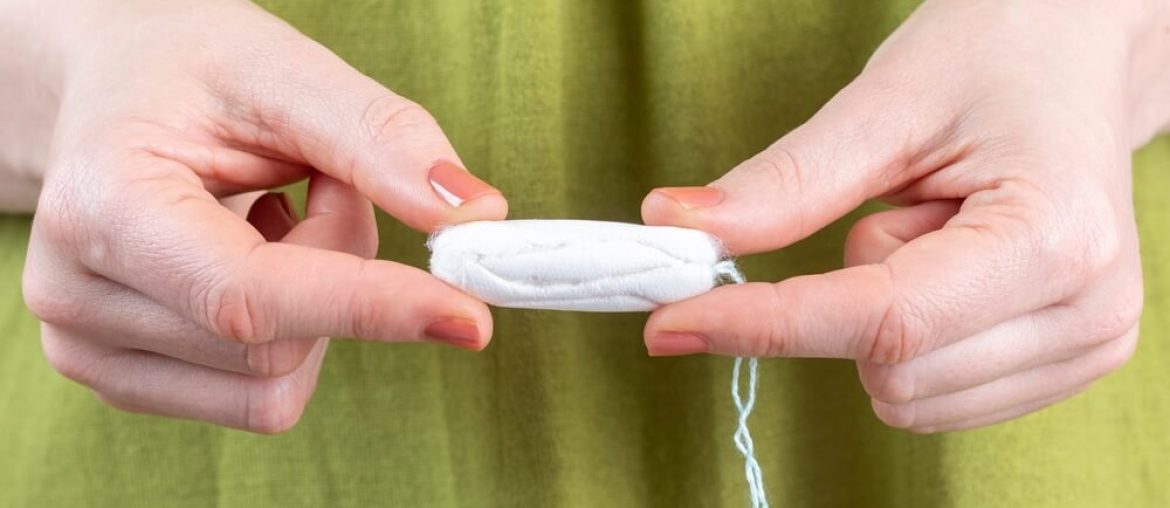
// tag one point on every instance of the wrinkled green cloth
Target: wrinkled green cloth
(575, 109)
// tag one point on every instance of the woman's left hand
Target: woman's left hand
(1010, 278)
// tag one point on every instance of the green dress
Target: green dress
(575, 109)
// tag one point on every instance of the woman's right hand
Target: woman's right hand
(158, 296)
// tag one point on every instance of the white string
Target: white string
(743, 437)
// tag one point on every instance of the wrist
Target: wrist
(1149, 71)
(32, 70)
(1124, 50)
(1121, 56)
(1101, 56)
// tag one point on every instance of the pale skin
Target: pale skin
(1007, 280)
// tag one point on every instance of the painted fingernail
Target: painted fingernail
(677, 343)
(456, 185)
(455, 331)
(692, 197)
(286, 204)
(271, 216)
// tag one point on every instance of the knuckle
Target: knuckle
(864, 235)
(898, 339)
(69, 363)
(91, 212)
(1119, 317)
(924, 430)
(274, 359)
(55, 221)
(867, 229)
(780, 170)
(1023, 216)
(273, 406)
(893, 384)
(116, 402)
(366, 316)
(1118, 354)
(1082, 245)
(1066, 395)
(230, 313)
(365, 244)
(1101, 248)
(1099, 238)
(773, 340)
(1055, 250)
(388, 116)
(779, 165)
(901, 334)
(46, 302)
(67, 206)
(765, 343)
(898, 416)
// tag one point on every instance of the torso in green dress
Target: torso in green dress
(575, 109)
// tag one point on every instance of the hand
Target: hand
(1010, 278)
(161, 299)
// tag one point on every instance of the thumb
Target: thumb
(858, 146)
(351, 128)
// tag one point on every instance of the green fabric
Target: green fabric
(575, 109)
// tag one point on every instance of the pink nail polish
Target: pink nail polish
(455, 331)
(272, 216)
(692, 197)
(456, 185)
(676, 344)
(286, 204)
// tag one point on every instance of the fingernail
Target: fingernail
(677, 343)
(692, 197)
(286, 204)
(456, 185)
(270, 216)
(455, 331)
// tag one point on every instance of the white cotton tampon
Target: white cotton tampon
(576, 264)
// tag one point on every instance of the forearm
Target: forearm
(31, 73)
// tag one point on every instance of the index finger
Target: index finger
(978, 270)
(327, 115)
(209, 265)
